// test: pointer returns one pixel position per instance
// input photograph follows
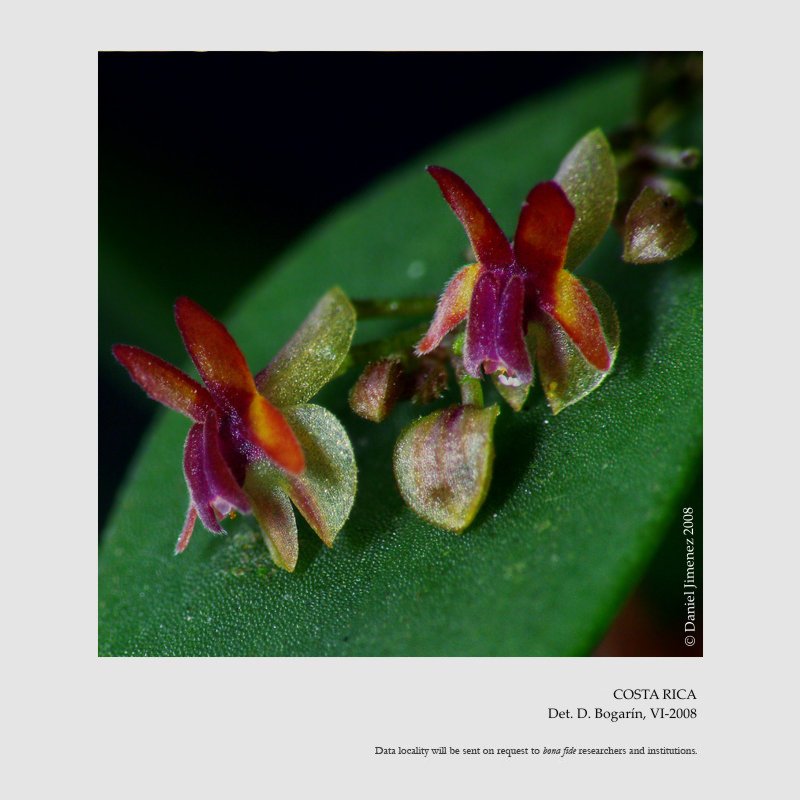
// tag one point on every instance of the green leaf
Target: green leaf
(578, 504)
(588, 175)
(312, 356)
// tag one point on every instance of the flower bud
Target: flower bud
(443, 464)
(378, 389)
(656, 229)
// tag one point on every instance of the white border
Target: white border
(210, 728)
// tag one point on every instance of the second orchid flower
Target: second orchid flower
(520, 297)
(521, 303)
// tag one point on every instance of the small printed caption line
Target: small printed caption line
(559, 752)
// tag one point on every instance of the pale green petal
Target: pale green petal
(565, 374)
(313, 355)
(515, 396)
(443, 464)
(588, 175)
(325, 492)
(273, 512)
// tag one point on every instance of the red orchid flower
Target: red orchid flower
(244, 453)
(514, 284)
(234, 424)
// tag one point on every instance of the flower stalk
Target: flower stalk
(399, 307)
(398, 345)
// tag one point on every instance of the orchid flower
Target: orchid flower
(520, 297)
(256, 443)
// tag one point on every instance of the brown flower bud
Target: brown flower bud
(656, 229)
(378, 388)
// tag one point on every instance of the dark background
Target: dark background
(199, 185)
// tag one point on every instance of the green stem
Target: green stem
(401, 307)
(471, 388)
(398, 344)
(471, 391)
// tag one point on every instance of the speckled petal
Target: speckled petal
(588, 175)
(267, 428)
(274, 514)
(311, 357)
(443, 464)
(566, 376)
(165, 383)
(325, 492)
(452, 308)
(216, 355)
(540, 242)
(576, 314)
